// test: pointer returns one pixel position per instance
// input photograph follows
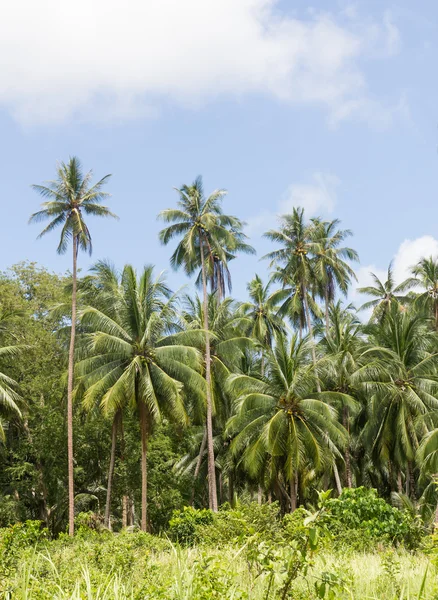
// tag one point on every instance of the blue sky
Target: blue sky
(331, 105)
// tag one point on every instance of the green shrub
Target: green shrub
(16, 538)
(184, 523)
(360, 518)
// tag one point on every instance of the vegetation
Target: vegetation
(266, 447)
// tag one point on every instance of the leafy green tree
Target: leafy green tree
(207, 234)
(136, 360)
(282, 416)
(69, 198)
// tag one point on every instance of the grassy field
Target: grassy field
(137, 566)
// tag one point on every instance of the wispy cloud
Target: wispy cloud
(120, 59)
(408, 254)
(317, 198)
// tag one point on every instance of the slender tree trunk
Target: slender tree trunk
(144, 465)
(212, 493)
(114, 431)
(399, 482)
(231, 488)
(259, 494)
(71, 357)
(327, 320)
(198, 464)
(309, 327)
(337, 478)
(411, 477)
(293, 494)
(124, 512)
(347, 457)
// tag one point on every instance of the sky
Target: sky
(331, 106)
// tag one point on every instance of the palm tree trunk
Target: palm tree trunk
(259, 494)
(347, 457)
(198, 464)
(124, 512)
(115, 428)
(309, 327)
(71, 352)
(293, 494)
(327, 320)
(144, 466)
(231, 487)
(212, 494)
(337, 478)
(410, 475)
(399, 482)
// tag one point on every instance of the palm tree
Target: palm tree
(298, 247)
(228, 344)
(261, 311)
(283, 417)
(331, 269)
(137, 359)
(68, 199)
(399, 376)
(384, 293)
(341, 348)
(207, 234)
(101, 290)
(9, 397)
(426, 275)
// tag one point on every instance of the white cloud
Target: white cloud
(317, 198)
(408, 254)
(114, 58)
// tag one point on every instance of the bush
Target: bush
(359, 516)
(184, 524)
(15, 539)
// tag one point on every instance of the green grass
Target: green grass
(121, 568)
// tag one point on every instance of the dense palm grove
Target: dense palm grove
(123, 397)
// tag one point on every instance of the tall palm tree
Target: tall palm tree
(137, 359)
(206, 233)
(68, 199)
(331, 267)
(341, 349)
(228, 344)
(298, 248)
(426, 275)
(9, 396)
(384, 293)
(261, 311)
(101, 289)
(400, 377)
(283, 417)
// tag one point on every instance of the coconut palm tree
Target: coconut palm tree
(282, 417)
(296, 257)
(68, 199)
(261, 311)
(9, 397)
(331, 268)
(207, 235)
(384, 293)
(399, 374)
(426, 276)
(341, 348)
(228, 344)
(137, 359)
